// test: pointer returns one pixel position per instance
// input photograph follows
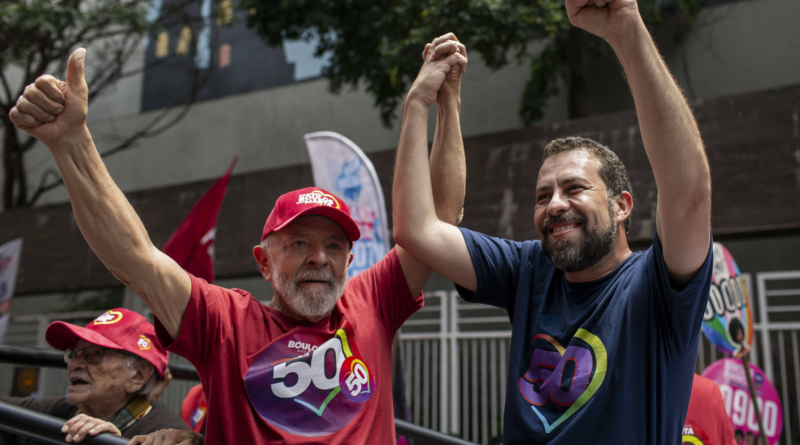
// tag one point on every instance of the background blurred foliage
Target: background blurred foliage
(37, 37)
(378, 43)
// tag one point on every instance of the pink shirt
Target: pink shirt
(271, 379)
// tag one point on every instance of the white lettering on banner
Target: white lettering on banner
(725, 297)
(309, 373)
(740, 409)
(366, 253)
(688, 431)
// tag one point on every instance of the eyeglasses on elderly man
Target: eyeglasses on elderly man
(113, 364)
(92, 354)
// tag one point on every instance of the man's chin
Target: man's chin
(77, 396)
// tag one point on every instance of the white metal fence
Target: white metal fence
(456, 355)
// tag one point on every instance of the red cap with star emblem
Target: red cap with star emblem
(310, 201)
(116, 329)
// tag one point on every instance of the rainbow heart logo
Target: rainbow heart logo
(543, 383)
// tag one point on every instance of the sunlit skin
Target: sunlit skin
(571, 181)
(102, 389)
(309, 242)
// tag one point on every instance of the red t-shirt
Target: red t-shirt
(271, 379)
(707, 422)
(193, 409)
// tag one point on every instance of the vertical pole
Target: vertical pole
(753, 397)
(454, 362)
(764, 325)
(443, 297)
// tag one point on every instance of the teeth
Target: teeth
(559, 229)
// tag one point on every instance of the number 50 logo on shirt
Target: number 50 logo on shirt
(559, 381)
(309, 386)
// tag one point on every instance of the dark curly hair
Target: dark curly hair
(612, 170)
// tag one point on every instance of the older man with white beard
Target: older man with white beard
(315, 365)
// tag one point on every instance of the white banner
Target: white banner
(341, 168)
(9, 265)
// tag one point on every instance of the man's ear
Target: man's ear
(264, 264)
(144, 370)
(350, 261)
(623, 207)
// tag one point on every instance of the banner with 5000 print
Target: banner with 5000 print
(340, 167)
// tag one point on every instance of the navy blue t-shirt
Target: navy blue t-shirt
(605, 362)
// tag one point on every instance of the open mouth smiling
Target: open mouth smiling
(562, 229)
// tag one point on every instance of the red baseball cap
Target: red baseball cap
(116, 329)
(310, 201)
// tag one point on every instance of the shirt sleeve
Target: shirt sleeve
(680, 312)
(49, 405)
(383, 287)
(496, 262)
(207, 322)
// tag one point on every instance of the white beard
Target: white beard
(309, 303)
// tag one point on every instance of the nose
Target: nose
(76, 363)
(317, 256)
(557, 204)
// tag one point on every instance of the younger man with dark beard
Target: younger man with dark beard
(604, 340)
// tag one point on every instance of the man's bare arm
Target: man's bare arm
(671, 137)
(55, 113)
(448, 164)
(418, 228)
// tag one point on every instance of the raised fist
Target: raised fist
(445, 56)
(50, 109)
(603, 18)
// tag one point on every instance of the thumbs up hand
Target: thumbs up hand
(54, 111)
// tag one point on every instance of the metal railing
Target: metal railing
(44, 428)
(412, 431)
(47, 429)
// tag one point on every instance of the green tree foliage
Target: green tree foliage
(37, 37)
(378, 43)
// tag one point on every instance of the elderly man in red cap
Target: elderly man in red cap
(315, 365)
(113, 364)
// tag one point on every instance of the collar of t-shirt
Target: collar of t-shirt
(589, 288)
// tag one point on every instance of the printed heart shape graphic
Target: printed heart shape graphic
(601, 358)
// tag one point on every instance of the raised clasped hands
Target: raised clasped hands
(52, 110)
(607, 19)
(445, 59)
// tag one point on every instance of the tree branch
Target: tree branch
(43, 187)
(9, 99)
(153, 128)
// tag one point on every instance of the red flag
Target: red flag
(192, 244)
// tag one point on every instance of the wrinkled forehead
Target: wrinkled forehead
(81, 344)
(315, 226)
(575, 164)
